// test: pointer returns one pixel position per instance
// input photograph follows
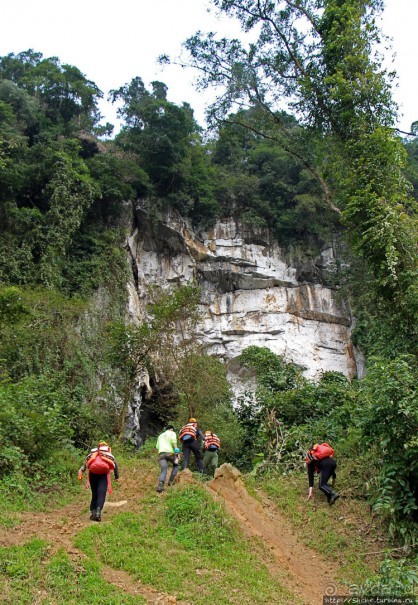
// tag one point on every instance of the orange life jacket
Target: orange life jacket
(319, 452)
(212, 442)
(100, 461)
(188, 432)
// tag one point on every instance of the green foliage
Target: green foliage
(391, 419)
(371, 424)
(49, 362)
(67, 98)
(202, 383)
(321, 60)
(120, 180)
(271, 371)
(39, 337)
(164, 139)
(205, 394)
(264, 185)
(395, 578)
(32, 422)
(132, 345)
(12, 306)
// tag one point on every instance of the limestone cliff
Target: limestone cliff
(251, 293)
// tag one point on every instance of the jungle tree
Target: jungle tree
(319, 59)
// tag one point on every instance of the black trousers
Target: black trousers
(327, 470)
(98, 485)
(193, 446)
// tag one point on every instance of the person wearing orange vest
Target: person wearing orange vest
(100, 462)
(188, 436)
(319, 459)
(211, 448)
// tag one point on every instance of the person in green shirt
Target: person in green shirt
(168, 453)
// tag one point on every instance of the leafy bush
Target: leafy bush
(396, 577)
(390, 420)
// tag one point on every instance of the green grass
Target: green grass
(343, 533)
(55, 487)
(21, 572)
(184, 544)
(28, 575)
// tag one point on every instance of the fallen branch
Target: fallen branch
(379, 552)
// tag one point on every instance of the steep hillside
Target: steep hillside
(198, 541)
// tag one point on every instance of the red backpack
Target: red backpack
(321, 451)
(100, 461)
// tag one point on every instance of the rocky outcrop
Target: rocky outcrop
(251, 293)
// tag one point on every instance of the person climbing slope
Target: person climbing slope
(168, 453)
(211, 448)
(188, 436)
(319, 458)
(100, 462)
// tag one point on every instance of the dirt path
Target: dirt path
(307, 576)
(59, 527)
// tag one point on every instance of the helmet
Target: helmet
(208, 432)
(192, 420)
(103, 443)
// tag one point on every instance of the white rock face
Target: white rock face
(251, 296)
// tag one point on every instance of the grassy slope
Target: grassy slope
(181, 543)
(344, 534)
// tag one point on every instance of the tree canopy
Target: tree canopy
(320, 59)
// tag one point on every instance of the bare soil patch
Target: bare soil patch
(306, 574)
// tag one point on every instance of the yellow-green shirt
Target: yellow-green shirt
(166, 442)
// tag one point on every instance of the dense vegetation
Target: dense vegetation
(68, 362)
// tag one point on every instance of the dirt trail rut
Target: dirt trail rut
(307, 576)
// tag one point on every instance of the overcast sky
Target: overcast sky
(113, 41)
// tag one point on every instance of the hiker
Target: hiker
(188, 436)
(211, 447)
(319, 458)
(100, 462)
(168, 452)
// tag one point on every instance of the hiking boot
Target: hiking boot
(334, 496)
(160, 487)
(93, 514)
(98, 514)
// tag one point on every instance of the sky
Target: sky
(111, 42)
